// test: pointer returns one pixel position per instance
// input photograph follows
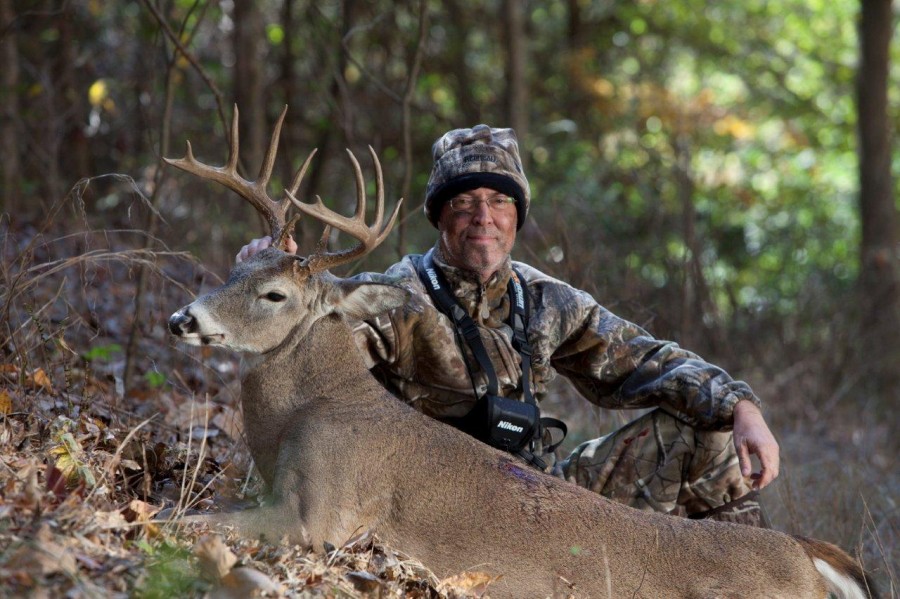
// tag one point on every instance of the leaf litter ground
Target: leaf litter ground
(88, 470)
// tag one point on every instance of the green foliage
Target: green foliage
(169, 572)
(155, 379)
(103, 353)
(676, 133)
(738, 107)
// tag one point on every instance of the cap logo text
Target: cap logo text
(479, 158)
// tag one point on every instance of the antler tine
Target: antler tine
(234, 146)
(255, 192)
(298, 177)
(379, 202)
(360, 187)
(265, 169)
(369, 237)
(281, 240)
(379, 189)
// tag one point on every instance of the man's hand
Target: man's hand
(258, 245)
(752, 436)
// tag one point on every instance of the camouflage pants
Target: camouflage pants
(659, 463)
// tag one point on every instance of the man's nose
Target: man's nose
(482, 213)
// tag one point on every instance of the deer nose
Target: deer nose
(182, 323)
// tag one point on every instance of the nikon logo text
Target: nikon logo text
(510, 426)
(432, 276)
(520, 294)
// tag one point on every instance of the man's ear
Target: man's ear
(359, 300)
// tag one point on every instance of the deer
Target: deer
(339, 454)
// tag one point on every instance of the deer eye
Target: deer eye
(274, 296)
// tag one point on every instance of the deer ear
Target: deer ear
(359, 300)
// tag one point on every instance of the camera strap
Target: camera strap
(439, 290)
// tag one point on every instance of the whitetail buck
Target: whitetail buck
(342, 455)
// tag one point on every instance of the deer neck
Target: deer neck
(320, 365)
(324, 362)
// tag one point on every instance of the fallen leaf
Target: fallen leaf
(246, 582)
(364, 581)
(5, 403)
(40, 379)
(56, 482)
(215, 559)
(110, 520)
(142, 510)
(469, 582)
(42, 557)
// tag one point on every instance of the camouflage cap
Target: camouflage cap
(467, 159)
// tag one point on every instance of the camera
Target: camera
(503, 423)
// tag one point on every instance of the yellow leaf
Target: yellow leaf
(603, 88)
(98, 92)
(66, 463)
(5, 403)
(733, 126)
(67, 454)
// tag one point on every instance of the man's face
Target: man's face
(481, 239)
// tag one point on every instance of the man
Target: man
(680, 458)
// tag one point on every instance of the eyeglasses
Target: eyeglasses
(468, 205)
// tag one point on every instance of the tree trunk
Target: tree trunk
(288, 84)
(516, 61)
(249, 80)
(72, 107)
(878, 278)
(696, 296)
(10, 185)
(458, 69)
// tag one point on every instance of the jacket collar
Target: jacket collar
(488, 303)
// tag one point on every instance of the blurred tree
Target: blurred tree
(516, 66)
(249, 84)
(879, 279)
(10, 190)
(287, 78)
(70, 101)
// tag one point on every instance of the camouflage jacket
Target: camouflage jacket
(612, 362)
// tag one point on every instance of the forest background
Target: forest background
(720, 173)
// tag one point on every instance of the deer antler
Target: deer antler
(254, 192)
(369, 237)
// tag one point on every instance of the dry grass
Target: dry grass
(86, 469)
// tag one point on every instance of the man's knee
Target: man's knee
(640, 464)
(661, 463)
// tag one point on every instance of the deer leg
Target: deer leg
(271, 523)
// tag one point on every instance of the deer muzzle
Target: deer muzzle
(182, 323)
